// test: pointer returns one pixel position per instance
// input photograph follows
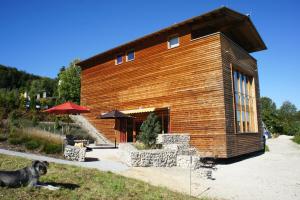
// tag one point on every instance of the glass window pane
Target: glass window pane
(237, 98)
(238, 120)
(242, 99)
(119, 59)
(246, 85)
(130, 55)
(173, 42)
(236, 86)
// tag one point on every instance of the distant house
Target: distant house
(42, 99)
(197, 75)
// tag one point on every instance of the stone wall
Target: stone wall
(176, 151)
(75, 153)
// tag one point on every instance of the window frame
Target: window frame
(131, 50)
(116, 60)
(172, 37)
(248, 108)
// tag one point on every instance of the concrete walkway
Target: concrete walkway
(104, 165)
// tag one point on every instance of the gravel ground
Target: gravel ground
(273, 175)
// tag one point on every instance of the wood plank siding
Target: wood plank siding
(193, 80)
(187, 79)
(233, 56)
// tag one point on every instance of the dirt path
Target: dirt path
(273, 175)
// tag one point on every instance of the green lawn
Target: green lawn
(81, 183)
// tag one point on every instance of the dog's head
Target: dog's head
(40, 166)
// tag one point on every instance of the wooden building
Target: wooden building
(198, 76)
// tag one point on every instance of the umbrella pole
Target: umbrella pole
(115, 134)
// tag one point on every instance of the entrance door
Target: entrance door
(123, 130)
(130, 130)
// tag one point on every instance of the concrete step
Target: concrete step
(91, 130)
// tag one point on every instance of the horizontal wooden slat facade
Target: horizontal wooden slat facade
(233, 57)
(192, 80)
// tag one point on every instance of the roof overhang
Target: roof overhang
(238, 27)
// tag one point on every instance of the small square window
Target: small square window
(130, 55)
(119, 59)
(173, 42)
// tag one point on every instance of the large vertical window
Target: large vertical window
(244, 102)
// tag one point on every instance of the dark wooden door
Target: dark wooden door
(123, 130)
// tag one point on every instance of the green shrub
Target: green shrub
(296, 138)
(35, 120)
(149, 131)
(14, 118)
(15, 141)
(52, 148)
(3, 137)
(32, 144)
(267, 149)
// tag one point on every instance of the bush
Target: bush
(13, 119)
(35, 120)
(32, 144)
(296, 138)
(15, 141)
(52, 148)
(3, 137)
(149, 131)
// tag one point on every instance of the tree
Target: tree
(149, 130)
(288, 118)
(69, 83)
(270, 115)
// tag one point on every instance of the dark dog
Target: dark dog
(28, 176)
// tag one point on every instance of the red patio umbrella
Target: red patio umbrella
(67, 108)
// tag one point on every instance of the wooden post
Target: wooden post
(126, 130)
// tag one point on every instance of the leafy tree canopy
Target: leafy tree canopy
(69, 83)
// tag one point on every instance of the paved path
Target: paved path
(104, 165)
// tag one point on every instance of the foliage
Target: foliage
(14, 119)
(33, 139)
(149, 130)
(83, 183)
(13, 84)
(287, 116)
(35, 120)
(284, 120)
(15, 141)
(11, 78)
(52, 148)
(32, 144)
(296, 138)
(69, 83)
(267, 149)
(9, 100)
(3, 137)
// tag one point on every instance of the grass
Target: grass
(81, 183)
(34, 139)
(296, 138)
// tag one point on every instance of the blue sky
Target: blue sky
(41, 36)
